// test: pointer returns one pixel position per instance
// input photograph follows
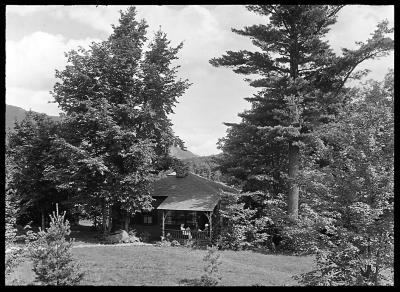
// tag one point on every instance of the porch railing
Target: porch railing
(184, 235)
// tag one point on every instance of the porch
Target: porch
(168, 224)
(183, 225)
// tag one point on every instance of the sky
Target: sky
(37, 37)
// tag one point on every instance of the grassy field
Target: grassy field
(165, 266)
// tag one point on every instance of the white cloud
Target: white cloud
(100, 17)
(31, 61)
(30, 69)
(217, 93)
(24, 10)
(36, 100)
(356, 23)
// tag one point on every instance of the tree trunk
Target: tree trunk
(109, 225)
(126, 221)
(43, 221)
(293, 197)
(104, 214)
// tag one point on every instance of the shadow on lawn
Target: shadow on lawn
(190, 282)
(84, 234)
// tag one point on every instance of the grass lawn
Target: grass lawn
(163, 266)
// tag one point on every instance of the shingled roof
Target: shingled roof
(190, 193)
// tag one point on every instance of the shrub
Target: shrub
(237, 231)
(53, 263)
(211, 276)
(144, 236)
(133, 237)
(163, 243)
(175, 243)
(353, 260)
(13, 254)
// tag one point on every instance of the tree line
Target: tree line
(114, 134)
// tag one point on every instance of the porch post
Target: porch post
(210, 219)
(163, 224)
(195, 220)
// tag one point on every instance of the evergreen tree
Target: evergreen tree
(53, 263)
(301, 81)
(211, 275)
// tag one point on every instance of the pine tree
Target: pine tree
(301, 80)
(53, 263)
(211, 276)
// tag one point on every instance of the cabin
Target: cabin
(184, 208)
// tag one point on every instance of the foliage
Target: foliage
(11, 208)
(237, 228)
(353, 189)
(206, 166)
(115, 133)
(180, 167)
(144, 236)
(211, 276)
(310, 233)
(30, 150)
(53, 263)
(175, 243)
(301, 85)
(12, 253)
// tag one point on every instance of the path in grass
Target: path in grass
(163, 266)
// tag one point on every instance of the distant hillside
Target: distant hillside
(14, 113)
(181, 154)
(198, 158)
(206, 166)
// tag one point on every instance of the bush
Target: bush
(175, 243)
(211, 276)
(144, 236)
(163, 243)
(133, 236)
(13, 254)
(53, 263)
(237, 231)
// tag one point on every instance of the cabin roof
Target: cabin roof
(190, 193)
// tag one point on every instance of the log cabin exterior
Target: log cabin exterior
(191, 200)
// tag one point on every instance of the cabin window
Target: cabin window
(147, 219)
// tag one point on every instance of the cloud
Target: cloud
(100, 17)
(356, 23)
(216, 95)
(24, 10)
(30, 69)
(36, 100)
(31, 61)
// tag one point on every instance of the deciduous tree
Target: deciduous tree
(117, 97)
(353, 192)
